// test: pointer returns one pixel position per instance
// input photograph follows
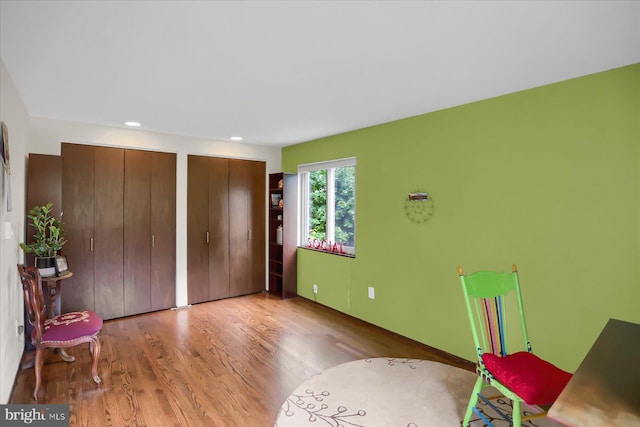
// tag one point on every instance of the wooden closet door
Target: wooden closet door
(78, 208)
(108, 232)
(197, 228)
(44, 185)
(257, 204)
(163, 230)
(246, 226)
(239, 265)
(218, 228)
(137, 232)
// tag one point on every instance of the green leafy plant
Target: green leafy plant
(49, 236)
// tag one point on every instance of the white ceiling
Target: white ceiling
(282, 72)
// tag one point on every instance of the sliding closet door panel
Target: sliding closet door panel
(235, 225)
(137, 232)
(239, 233)
(163, 231)
(197, 229)
(257, 204)
(108, 232)
(44, 185)
(219, 228)
(77, 205)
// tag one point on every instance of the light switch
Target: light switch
(7, 230)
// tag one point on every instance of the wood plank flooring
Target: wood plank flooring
(224, 363)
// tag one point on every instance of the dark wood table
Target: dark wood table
(605, 389)
(54, 291)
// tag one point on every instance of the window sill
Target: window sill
(327, 252)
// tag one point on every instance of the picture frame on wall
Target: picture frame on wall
(4, 153)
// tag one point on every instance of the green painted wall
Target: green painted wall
(546, 178)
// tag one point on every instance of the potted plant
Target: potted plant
(47, 240)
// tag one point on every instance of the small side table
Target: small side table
(54, 291)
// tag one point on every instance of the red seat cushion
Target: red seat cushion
(536, 381)
(69, 326)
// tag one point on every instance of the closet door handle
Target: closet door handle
(207, 237)
(249, 235)
(91, 244)
(153, 240)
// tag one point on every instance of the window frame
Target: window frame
(303, 175)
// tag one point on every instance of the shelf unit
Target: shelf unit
(283, 187)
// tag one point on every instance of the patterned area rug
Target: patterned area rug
(387, 392)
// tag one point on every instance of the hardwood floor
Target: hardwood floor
(224, 363)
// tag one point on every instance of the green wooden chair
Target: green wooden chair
(496, 313)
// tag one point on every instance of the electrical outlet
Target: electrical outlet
(315, 288)
(19, 328)
(372, 292)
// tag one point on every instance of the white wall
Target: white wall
(47, 134)
(14, 114)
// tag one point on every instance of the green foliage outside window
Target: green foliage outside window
(318, 205)
(344, 205)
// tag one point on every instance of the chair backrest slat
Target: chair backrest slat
(488, 313)
(494, 317)
(503, 327)
(487, 294)
(481, 322)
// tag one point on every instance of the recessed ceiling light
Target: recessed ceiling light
(132, 124)
(236, 138)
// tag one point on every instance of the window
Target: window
(328, 205)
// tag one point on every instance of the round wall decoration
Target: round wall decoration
(418, 207)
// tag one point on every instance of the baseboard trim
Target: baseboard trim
(449, 357)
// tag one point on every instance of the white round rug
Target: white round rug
(384, 392)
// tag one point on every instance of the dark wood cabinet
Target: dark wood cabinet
(77, 200)
(246, 226)
(137, 232)
(258, 238)
(119, 212)
(217, 238)
(92, 201)
(197, 229)
(44, 185)
(282, 203)
(163, 230)
(44, 181)
(225, 230)
(108, 231)
(149, 231)
(207, 228)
